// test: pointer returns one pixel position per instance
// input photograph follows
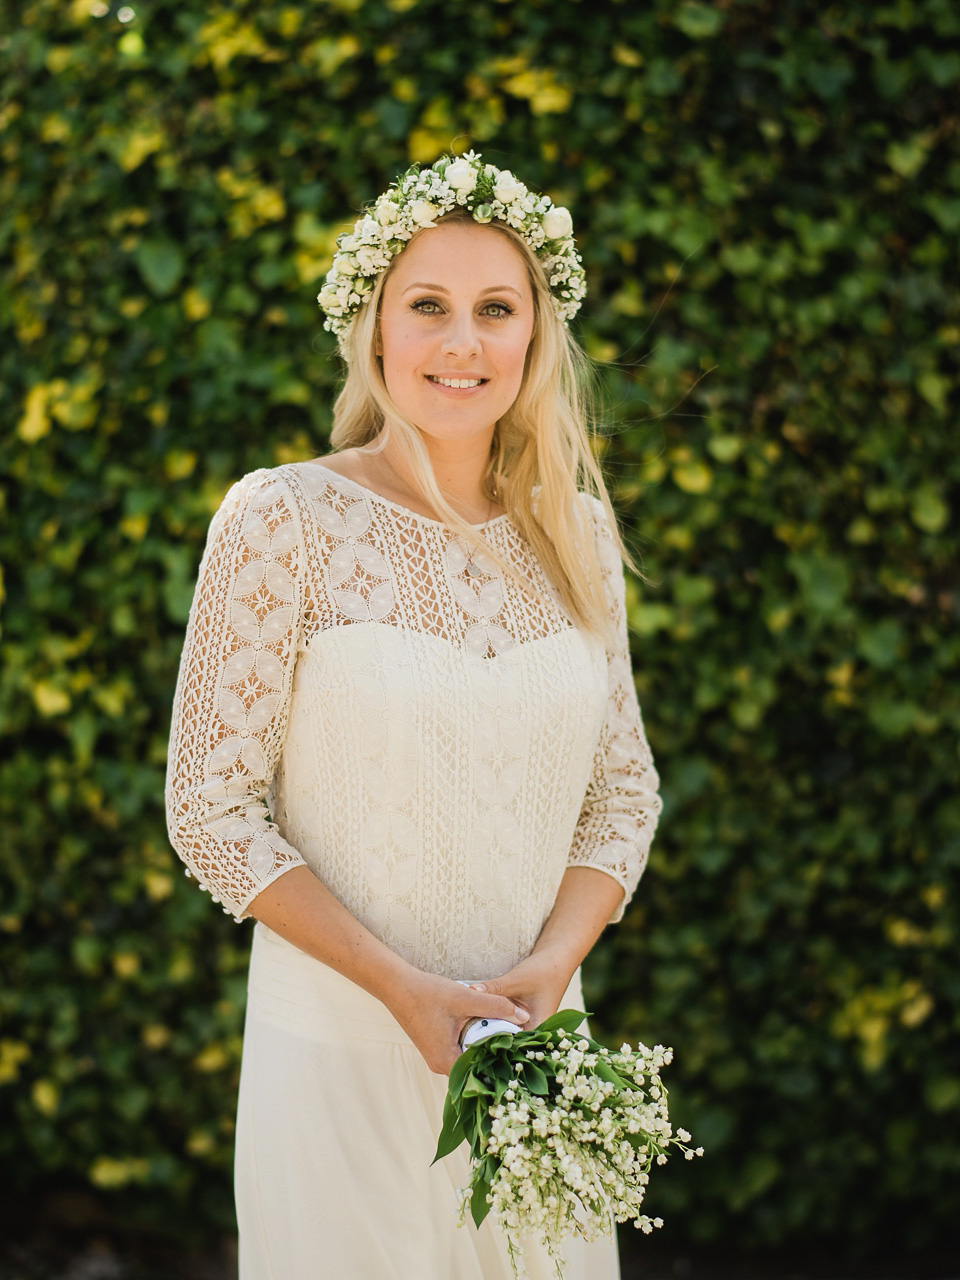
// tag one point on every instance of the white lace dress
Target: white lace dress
(438, 749)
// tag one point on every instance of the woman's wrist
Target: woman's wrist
(554, 966)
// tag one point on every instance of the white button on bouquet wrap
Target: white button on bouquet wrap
(562, 1131)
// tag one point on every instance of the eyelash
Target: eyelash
(506, 310)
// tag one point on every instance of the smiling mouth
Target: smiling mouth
(457, 383)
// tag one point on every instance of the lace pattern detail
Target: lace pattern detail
(622, 805)
(436, 747)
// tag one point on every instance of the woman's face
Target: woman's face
(458, 306)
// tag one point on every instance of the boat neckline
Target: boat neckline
(407, 511)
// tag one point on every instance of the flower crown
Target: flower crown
(421, 196)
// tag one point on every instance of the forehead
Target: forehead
(461, 257)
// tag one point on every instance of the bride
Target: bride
(405, 737)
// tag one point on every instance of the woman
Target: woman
(414, 649)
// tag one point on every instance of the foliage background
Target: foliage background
(768, 201)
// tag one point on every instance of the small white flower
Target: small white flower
(423, 213)
(507, 188)
(557, 223)
(386, 212)
(461, 175)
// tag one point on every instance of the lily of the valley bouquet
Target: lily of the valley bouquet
(562, 1131)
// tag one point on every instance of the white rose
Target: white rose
(347, 265)
(507, 187)
(370, 228)
(557, 223)
(423, 213)
(461, 175)
(386, 212)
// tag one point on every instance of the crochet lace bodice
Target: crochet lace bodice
(434, 744)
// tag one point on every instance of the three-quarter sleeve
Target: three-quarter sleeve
(232, 697)
(622, 803)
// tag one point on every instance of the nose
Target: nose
(461, 337)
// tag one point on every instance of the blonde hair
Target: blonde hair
(544, 438)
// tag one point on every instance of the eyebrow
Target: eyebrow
(438, 288)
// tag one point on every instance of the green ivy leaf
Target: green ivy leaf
(698, 21)
(161, 264)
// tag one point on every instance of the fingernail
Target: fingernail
(478, 986)
(521, 1015)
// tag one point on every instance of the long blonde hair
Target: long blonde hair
(544, 438)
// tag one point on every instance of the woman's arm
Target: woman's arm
(432, 1010)
(228, 725)
(616, 825)
(585, 902)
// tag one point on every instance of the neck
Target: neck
(458, 466)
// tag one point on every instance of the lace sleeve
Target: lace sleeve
(232, 696)
(622, 804)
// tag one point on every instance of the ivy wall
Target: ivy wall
(767, 197)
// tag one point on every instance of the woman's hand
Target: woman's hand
(434, 1011)
(536, 984)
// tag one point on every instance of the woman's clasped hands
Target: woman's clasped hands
(434, 1010)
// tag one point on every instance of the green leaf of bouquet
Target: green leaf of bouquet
(478, 1202)
(459, 1072)
(502, 1041)
(452, 1134)
(500, 1070)
(564, 1020)
(606, 1072)
(535, 1080)
(475, 1087)
(470, 1119)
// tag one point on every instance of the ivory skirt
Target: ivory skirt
(337, 1123)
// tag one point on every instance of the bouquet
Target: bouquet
(562, 1131)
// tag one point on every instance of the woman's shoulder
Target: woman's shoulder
(255, 493)
(260, 486)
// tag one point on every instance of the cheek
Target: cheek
(513, 358)
(402, 352)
